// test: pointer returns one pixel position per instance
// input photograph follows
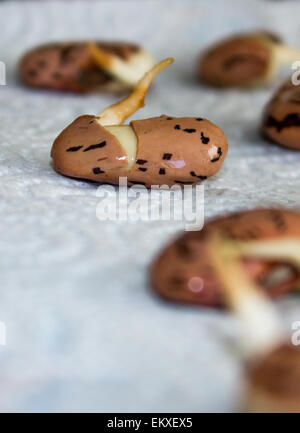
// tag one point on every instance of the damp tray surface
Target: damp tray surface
(83, 330)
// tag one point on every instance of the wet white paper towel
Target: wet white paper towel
(84, 332)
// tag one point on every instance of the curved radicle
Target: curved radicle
(261, 324)
(117, 113)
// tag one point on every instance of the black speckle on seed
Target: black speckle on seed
(95, 146)
(189, 130)
(184, 183)
(192, 173)
(32, 73)
(74, 149)
(234, 60)
(176, 281)
(97, 170)
(167, 156)
(142, 168)
(169, 118)
(199, 119)
(177, 127)
(290, 120)
(162, 171)
(204, 139)
(56, 75)
(219, 151)
(141, 161)
(183, 250)
(278, 219)
(65, 54)
(251, 234)
(41, 63)
(91, 121)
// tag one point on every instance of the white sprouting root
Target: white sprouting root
(128, 71)
(287, 249)
(286, 55)
(261, 328)
(117, 113)
(281, 55)
(127, 139)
